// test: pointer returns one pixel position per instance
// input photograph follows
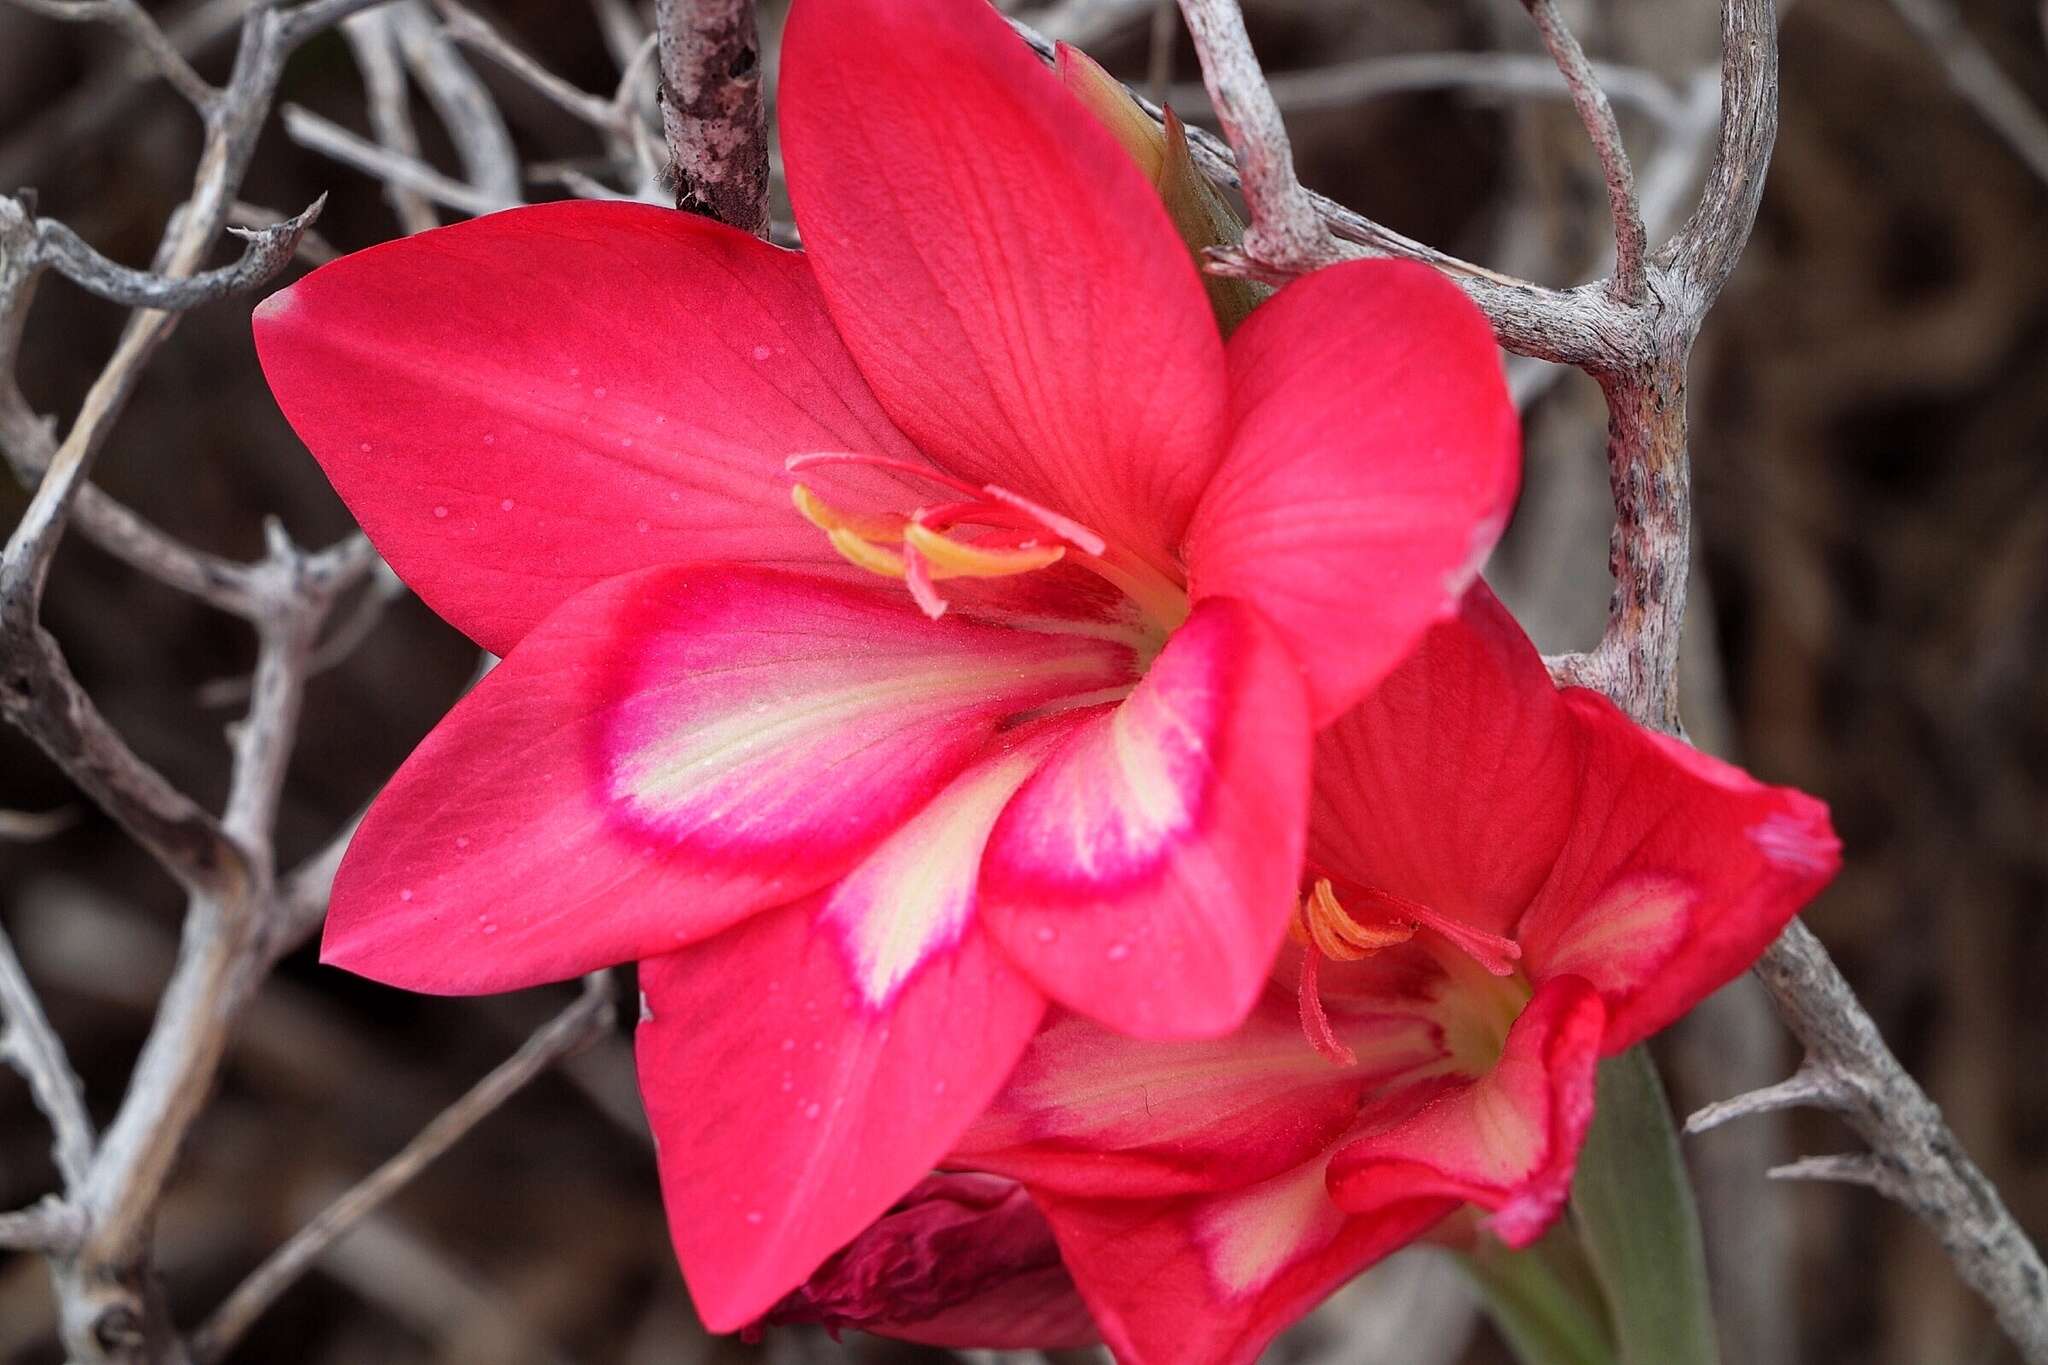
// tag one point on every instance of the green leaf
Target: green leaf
(1632, 1207)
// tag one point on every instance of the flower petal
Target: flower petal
(1088, 1112)
(966, 1261)
(1453, 785)
(1507, 1141)
(520, 405)
(878, 1021)
(1145, 874)
(1374, 456)
(1000, 268)
(670, 751)
(1211, 1279)
(1680, 869)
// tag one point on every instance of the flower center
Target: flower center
(1484, 993)
(984, 532)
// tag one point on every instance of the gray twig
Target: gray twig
(1589, 97)
(574, 1028)
(330, 139)
(31, 1046)
(1996, 97)
(268, 250)
(712, 110)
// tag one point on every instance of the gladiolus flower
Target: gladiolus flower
(897, 634)
(1507, 882)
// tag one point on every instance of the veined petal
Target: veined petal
(999, 267)
(1212, 1279)
(966, 1260)
(1679, 871)
(1374, 457)
(879, 1022)
(669, 752)
(520, 405)
(1145, 874)
(1454, 783)
(1506, 1141)
(1089, 1112)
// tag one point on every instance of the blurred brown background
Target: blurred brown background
(1871, 443)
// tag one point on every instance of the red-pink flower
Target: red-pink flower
(1508, 881)
(859, 835)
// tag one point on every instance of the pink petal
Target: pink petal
(1373, 460)
(1679, 871)
(669, 752)
(965, 1261)
(1453, 784)
(1210, 1280)
(1507, 1141)
(1088, 1112)
(1145, 875)
(518, 406)
(805, 1069)
(1002, 271)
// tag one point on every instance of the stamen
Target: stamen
(870, 541)
(1344, 936)
(959, 560)
(1315, 1023)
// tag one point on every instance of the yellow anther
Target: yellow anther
(887, 529)
(1325, 923)
(885, 560)
(952, 558)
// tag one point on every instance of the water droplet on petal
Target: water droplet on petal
(489, 439)
(440, 511)
(789, 1044)
(405, 894)
(364, 447)
(760, 353)
(506, 506)
(597, 392)
(754, 1217)
(812, 1110)
(1046, 933)
(640, 526)
(462, 841)
(1119, 951)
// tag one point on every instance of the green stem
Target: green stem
(1633, 1209)
(1544, 1301)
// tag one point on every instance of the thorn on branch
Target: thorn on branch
(267, 252)
(1808, 1088)
(1858, 1168)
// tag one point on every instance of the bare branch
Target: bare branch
(1706, 248)
(330, 139)
(135, 23)
(1996, 97)
(1286, 232)
(32, 827)
(465, 27)
(574, 1028)
(52, 1228)
(1808, 1088)
(1842, 1169)
(268, 251)
(1914, 1158)
(712, 110)
(1490, 73)
(1597, 114)
(460, 100)
(32, 1047)
(375, 45)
